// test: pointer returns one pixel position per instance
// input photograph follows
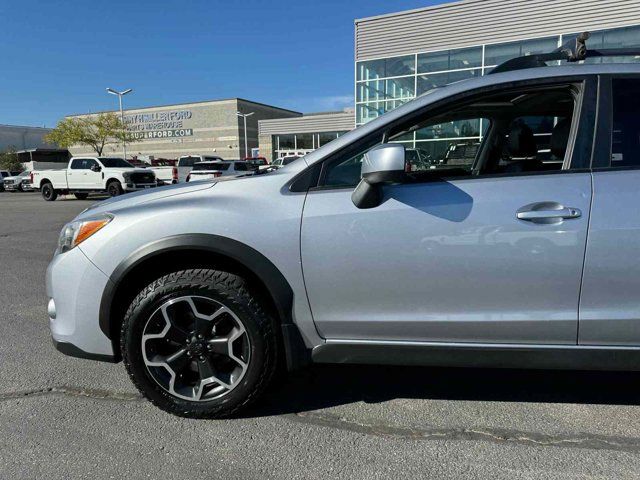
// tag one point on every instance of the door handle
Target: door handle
(547, 213)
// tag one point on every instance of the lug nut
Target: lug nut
(188, 341)
(201, 358)
(188, 354)
(209, 347)
(200, 336)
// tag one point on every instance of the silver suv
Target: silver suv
(521, 250)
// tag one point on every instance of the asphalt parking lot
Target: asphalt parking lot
(66, 418)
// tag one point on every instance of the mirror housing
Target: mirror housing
(95, 168)
(381, 165)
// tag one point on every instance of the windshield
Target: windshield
(115, 163)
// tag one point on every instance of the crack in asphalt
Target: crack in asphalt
(589, 441)
(72, 392)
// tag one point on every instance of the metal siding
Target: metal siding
(475, 22)
(309, 124)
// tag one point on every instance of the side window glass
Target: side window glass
(446, 145)
(76, 164)
(89, 163)
(512, 132)
(625, 135)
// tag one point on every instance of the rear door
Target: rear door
(610, 300)
(76, 173)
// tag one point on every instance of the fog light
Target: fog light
(51, 309)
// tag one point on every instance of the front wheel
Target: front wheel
(48, 192)
(198, 344)
(114, 188)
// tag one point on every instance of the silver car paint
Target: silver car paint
(447, 261)
(261, 212)
(610, 300)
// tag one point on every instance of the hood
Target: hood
(144, 196)
(131, 170)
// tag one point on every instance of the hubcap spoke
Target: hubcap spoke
(219, 346)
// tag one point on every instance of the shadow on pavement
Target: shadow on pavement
(324, 386)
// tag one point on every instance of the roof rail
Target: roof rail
(571, 51)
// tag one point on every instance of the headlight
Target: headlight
(78, 231)
(126, 175)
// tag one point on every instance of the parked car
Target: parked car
(282, 161)
(5, 174)
(18, 183)
(221, 168)
(85, 175)
(345, 256)
(186, 163)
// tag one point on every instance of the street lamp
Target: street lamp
(244, 117)
(120, 95)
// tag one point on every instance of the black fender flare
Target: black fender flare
(277, 286)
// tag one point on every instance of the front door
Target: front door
(494, 257)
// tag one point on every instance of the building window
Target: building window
(428, 82)
(450, 60)
(388, 67)
(326, 137)
(286, 142)
(305, 141)
(500, 53)
(385, 84)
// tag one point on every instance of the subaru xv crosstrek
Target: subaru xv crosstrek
(515, 245)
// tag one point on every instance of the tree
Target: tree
(96, 131)
(9, 160)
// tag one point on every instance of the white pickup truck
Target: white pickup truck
(86, 175)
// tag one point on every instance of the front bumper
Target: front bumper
(76, 285)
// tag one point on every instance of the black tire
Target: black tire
(233, 293)
(114, 188)
(48, 192)
(81, 196)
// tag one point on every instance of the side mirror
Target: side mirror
(381, 165)
(95, 168)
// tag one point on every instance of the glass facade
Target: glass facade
(300, 143)
(385, 84)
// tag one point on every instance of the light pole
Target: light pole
(244, 117)
(120, 95)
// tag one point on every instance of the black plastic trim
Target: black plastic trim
(276, 284)
(72, 351)
(494, 356)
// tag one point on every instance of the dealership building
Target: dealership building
(19, 137)
(403, 55)
(198, 128)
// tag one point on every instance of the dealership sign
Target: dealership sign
(180, 132)
(167, 124)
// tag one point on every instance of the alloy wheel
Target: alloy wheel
(195, 348)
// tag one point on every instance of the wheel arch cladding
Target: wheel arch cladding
(201, 250)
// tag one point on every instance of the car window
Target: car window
(188, 161)
(523, 131)
(116, 163)
(88, 163)
(76, 164)
(625, 135)
(241, 166)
